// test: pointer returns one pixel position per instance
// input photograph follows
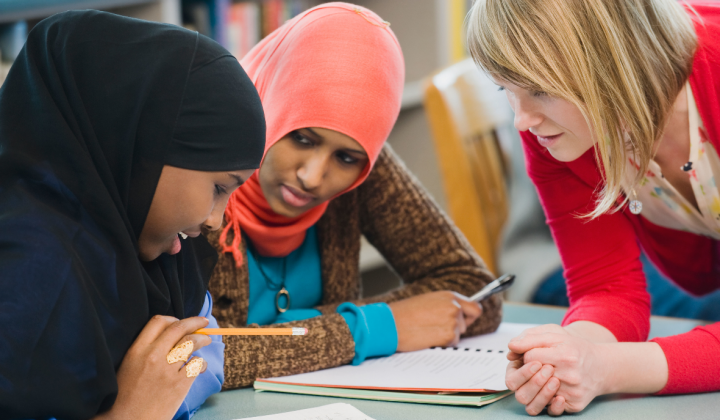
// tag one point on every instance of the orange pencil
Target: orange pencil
(252, 331)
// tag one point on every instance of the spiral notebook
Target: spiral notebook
(476, 366)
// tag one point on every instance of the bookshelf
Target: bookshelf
(158, 10)
(17, 17)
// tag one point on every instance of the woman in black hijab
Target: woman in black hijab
(116, 135)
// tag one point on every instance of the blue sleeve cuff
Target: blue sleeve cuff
(209, 382)
(373, 329)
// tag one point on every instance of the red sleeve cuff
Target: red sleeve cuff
(692, 358)
(627, 320)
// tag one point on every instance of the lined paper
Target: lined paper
(476, 365)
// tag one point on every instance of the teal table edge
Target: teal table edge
(242, 403)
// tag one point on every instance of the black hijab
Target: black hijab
(92, 109)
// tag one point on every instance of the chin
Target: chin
(146, 256)
(565, 155)
(280, 207)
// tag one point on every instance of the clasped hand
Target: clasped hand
(551, 367)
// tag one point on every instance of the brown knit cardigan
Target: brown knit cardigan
(404, 224)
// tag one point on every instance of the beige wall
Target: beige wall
(420, 28)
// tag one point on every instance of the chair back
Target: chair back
(465, 110)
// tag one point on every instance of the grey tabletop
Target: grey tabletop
(243, 403)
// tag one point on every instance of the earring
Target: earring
(635, 205)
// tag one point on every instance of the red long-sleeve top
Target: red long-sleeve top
(601, 257)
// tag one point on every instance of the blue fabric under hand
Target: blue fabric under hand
(209, 382)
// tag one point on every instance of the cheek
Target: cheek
(265, 175)
(569, 116)
(340, 180)
(279, 160)
(193, 207)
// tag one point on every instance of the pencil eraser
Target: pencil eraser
(299, 331)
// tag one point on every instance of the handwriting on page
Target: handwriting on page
(339, 411)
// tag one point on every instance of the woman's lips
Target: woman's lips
(548, 141)
(295, 198)
(176, 246)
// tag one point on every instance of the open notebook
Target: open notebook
(473, 373)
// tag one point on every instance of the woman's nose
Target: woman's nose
(214, 222)
(526, 116)
(312, 173)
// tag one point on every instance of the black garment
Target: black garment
(92, 109)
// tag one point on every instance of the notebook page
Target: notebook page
(339, 411)
(476, 364)
(497, 340)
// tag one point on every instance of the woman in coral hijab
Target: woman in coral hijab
(330, 81)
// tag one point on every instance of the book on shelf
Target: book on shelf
(276, 12)
(242, 28)
(240, 25)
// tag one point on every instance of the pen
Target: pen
(252, 331)
(495, 286)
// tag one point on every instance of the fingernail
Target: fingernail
(535, 367)
(180, 353)
(554, 385)
(546, 371)
(194, 367)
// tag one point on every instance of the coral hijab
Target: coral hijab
(343, 65)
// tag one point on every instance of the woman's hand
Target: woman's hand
(549, 366)
(432, 319)
(149, 387)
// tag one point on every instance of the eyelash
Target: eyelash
(220, 189)
(346, 159)
(300, 139)
(535, 93)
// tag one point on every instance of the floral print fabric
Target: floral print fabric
(663, 205)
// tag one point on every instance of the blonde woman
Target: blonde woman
(618, 106)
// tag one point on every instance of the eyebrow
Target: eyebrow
(347, 149)
(238, 179)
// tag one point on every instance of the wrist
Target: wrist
(610, 377)
(637, 368)
(591, 331)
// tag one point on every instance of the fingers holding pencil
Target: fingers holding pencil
(252, 331)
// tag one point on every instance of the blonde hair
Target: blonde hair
(621, 62)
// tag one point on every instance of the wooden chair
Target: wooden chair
(465, 109)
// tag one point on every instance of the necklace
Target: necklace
(270, 284)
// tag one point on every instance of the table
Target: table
(243, 403)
